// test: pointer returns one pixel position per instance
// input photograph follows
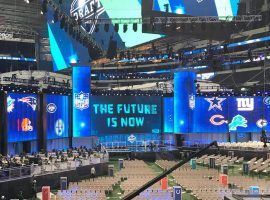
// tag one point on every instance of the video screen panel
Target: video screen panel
(198, 7)
(66, 50)
(21, 117)
(234, 114)
(81, 90)
(57, 115)
(168, 115)
(211, 114)
(125, 115)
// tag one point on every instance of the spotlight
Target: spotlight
(88, 27)
(116, 27)
(106, 27)
(135, 27)
(44, 6)
(62, 21)
(125, 28)
(97, 28)
(55, 15)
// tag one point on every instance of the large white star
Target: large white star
(215, 102)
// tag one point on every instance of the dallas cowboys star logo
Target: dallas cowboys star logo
(215, 102)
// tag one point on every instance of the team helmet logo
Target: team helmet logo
(10, 104)
(237, 121)
(30, 101)
(59, 127)
(51, 108)
(131, 138)
(81, 100)
(88, 10)
(215, 103)
(261, 123)
(218, 120)
(191, 101)
(266, 101)
(245, 104)
(26, 125)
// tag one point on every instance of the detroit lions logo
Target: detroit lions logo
(237, 121)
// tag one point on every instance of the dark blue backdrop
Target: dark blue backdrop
(104, 124)
(57, 111)
(21, 117)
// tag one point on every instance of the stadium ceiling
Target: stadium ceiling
(21, 20)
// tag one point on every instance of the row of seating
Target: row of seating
(251, 145)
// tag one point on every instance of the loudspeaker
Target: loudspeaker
(179, 140)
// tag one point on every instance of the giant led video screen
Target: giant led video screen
(81, 80)
(168, 115)
(21, 117)
(234, 114)
(57, 115)
(199, 7)
(125, 115)
(66, 50)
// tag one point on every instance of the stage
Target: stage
(247, 154)
(11, 188)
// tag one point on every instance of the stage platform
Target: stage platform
(246, 153)
(151, 156)
(11, 188)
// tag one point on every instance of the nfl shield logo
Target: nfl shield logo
(81, 100)
(192, 101)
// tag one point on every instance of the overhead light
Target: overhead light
(125, 28)
(106, 27)
(135, 27)
(116, 27)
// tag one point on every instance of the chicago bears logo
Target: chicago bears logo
(88, 10)
(237, 121)
(218, 120)
(81, 100)
(51, 108)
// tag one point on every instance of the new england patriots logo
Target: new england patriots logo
(81, 100)
(30, 101)
(237, 121)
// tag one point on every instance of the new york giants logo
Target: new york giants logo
(245, 104)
